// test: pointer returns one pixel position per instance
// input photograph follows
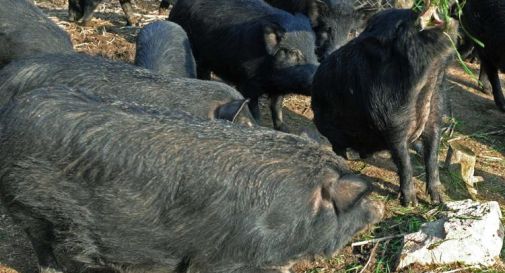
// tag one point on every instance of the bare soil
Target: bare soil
(479, 125)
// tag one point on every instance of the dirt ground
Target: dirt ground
(478, 125)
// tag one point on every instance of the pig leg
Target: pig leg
(164, 5)
(401, 157)
(88, 7)
(276, 109)
(492, 73)
(484, 84)
(126, 5)
(40, 235)
(431, 143)
(74, 10)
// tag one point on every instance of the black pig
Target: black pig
(205, 99)
(126, 190)
(380, 91)
(164, 48)
(485, 21)
(26, 31)
(259, 48)
(332, 20)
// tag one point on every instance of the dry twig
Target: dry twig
(372, 255)
(376, 240)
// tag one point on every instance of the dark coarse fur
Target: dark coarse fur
(259, 48)
(143, 193)
(485, 21)
(380, 91)
(206, 99)
(26, 31)
(332, 20)
(164, 48)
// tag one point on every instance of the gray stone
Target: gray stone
(469, 232)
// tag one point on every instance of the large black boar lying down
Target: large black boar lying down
(260, 49)
(163, 47)
(380, 91)
(82, 10)
(141, 193)
(26, 31)
(485, 20)
(206, 99)
(332, 20)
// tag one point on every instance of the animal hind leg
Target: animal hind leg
(492, 73)
(40, 234)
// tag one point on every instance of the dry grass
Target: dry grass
(479, 126)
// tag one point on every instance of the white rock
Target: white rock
(470, 233)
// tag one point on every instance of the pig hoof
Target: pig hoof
(86, 23)
(436, 198)
(484, 88)
(409, 199)
(74, 16)
(131, 22)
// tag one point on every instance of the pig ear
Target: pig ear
(231, 110)
(346, 192)
(272, 34)
(351, 189)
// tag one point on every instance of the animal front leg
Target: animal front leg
(74, 10)
(276, 109)
(126, 5)
(401, 157)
